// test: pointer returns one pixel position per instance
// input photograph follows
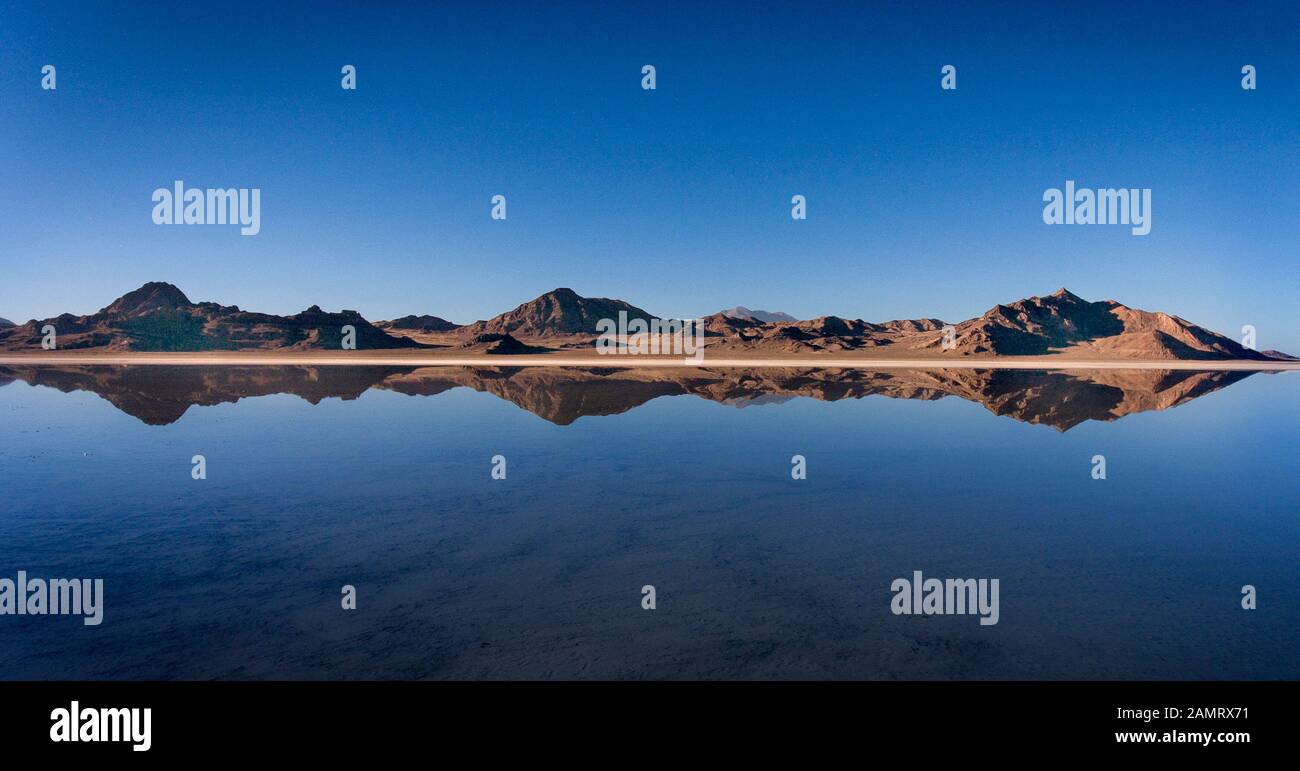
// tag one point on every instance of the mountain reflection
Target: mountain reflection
(159, 395)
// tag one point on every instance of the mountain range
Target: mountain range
(160, 317)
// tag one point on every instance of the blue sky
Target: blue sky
(920, 201)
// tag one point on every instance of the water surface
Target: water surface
(380, 478)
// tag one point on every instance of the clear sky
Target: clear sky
(921, 202)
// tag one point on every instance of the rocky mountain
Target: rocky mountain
(556, 313)
(741, 312)
(159, 317)
(1063, 322)
(7, 323)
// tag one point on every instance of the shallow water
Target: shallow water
(380, 478)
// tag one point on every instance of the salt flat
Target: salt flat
(408, 358)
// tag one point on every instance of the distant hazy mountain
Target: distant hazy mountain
(558, 312)
(741, 312)
(159, 317)
(7, 323)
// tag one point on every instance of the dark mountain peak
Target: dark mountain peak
(502, 343)
(6, 323)
(153, 296)
(421, 323)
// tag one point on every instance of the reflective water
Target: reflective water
(380, 478)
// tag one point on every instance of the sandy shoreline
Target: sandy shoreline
(410, 359)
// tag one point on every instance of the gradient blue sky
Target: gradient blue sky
(921, 202)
